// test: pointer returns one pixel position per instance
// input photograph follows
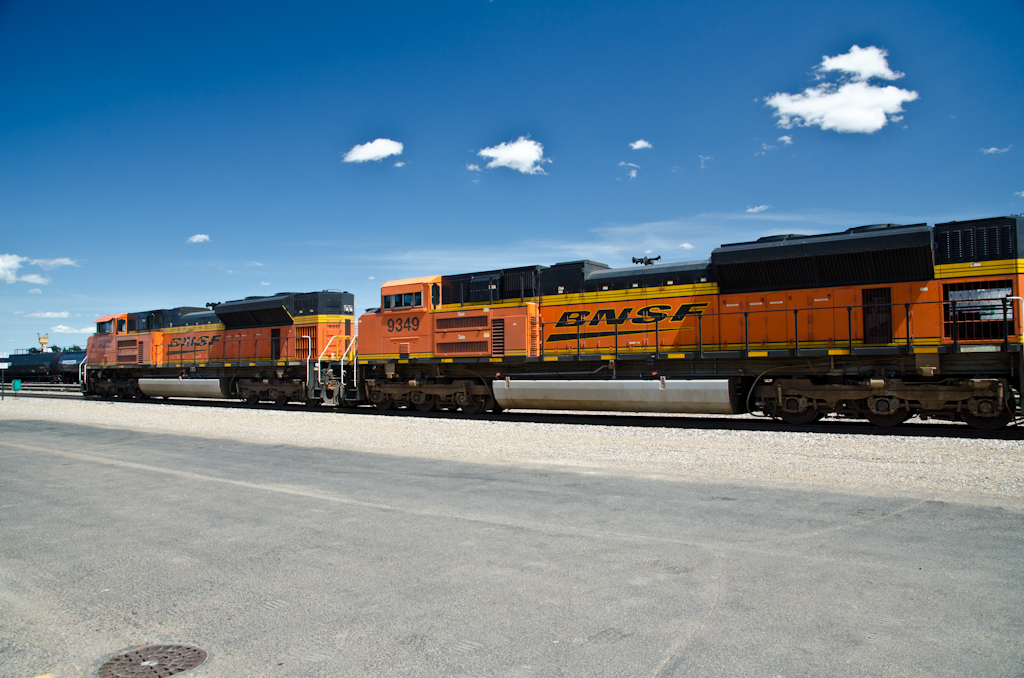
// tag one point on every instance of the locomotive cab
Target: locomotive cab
(404, 322)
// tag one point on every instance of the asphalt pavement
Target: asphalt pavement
(292, 561)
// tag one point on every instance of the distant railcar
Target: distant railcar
(53, 367)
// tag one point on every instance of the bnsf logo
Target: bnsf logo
(194, 342)
(646, 315)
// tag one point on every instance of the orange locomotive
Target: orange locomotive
(286, 347)
(878, 322)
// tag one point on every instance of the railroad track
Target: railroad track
(37, 390)
(913, 428)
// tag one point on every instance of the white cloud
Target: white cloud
(861, 64)
(373, 277)
(472, 168)
(47, 314)
(64, 329)
(632, 172)
(523, 155)
(266, 284)
(253, 263)
(705, 160)
(378, 149)
(199, 237)
(1020, 193)
(9, 265)
(640, 143)
(35, 291)
(852, 106)
(994, 150)
(764, 149)
(399, 164)
(759, 208)
(47, 264)
(786, 140)
(686, 246)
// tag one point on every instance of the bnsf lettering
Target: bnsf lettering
(195, 341)
(646, 315)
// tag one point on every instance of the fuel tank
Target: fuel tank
(185, 388)
(681, 396)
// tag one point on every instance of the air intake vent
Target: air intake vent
(498, 336)
(960, 242)
(463, 323)
(462, 347)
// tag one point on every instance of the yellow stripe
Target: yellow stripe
(549, 358)
(317, 319)
(650, 294)
(759, 354)
(977, 268)
(838, 351)
(447, 360)
(926, 349)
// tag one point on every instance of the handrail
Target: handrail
(951, 326)
(321, 356)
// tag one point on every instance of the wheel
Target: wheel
(385, 403)
(808, 416)
(889, 418)
(428, 405)
(281, 400)
(312, 402)
(474, 405)
(252, 399)
(989, 423)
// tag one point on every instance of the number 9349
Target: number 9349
(408, 325)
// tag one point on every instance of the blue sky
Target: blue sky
(128, 128)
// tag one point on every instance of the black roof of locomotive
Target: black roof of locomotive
(655, 275)
(282, 308)
(862, 255)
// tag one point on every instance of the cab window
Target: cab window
(120, 324)
(104, 328)
(407, 300)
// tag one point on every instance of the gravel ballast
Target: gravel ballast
(962, 468)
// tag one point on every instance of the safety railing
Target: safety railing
(899, 326)
(257, 351)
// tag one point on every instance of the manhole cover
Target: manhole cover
(153, 661)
